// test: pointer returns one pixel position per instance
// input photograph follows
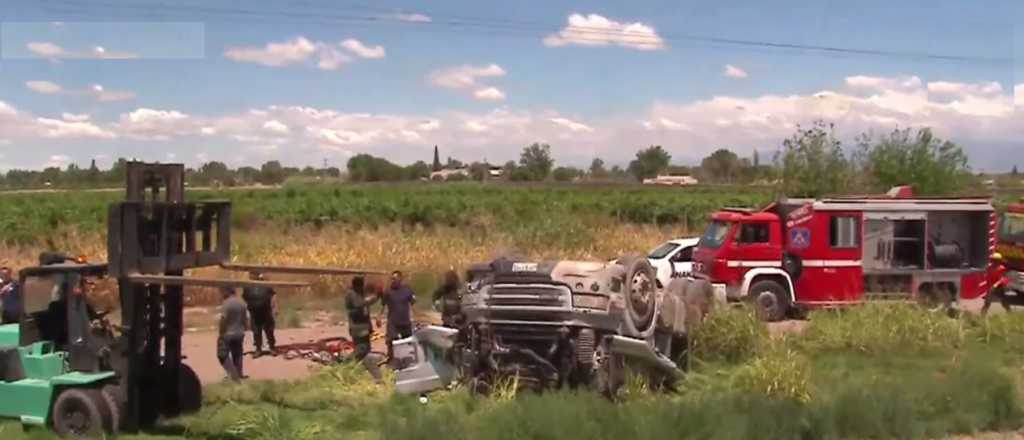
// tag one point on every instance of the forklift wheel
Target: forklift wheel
(80, 412)
(112, 396)
(191, 390)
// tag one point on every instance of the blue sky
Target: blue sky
(307, 80)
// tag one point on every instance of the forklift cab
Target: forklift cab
(58, 314)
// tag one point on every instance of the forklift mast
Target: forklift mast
(156, 232)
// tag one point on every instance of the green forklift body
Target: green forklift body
(42, 372)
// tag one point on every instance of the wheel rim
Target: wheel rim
(768, 303)
(641, 292)
(75, 419)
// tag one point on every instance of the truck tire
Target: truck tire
(771, 300)
(80, 412)
(641, 295)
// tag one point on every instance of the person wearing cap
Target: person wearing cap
(996, 283)
(262, 303)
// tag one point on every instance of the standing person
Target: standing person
(360, 326)
(10, 297)
(447, 300)
(398, 302)
(234, 321)
(262, 302)
(997, 284)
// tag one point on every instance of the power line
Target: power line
(443, 23)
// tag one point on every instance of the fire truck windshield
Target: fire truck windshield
(1012, 226)
(714, 234)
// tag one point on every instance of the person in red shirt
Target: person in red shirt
(996, 282)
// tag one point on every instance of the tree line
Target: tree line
(811, 162)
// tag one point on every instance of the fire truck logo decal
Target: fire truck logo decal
(799, 238)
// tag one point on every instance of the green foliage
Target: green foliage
(566, 174)
(597, 169)
(536, 161)
(535, 212)
(729, 335)
(813, 163)
(723, 165)
(882, 329)
(649, 162)
(366, 168)
(931, 165)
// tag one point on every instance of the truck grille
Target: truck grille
(529, 296)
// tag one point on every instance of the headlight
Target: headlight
(597, 302)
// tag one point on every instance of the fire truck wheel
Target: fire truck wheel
(80, 413)
(641, 294)
(771, 299)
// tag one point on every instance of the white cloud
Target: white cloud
(72, 117)
(156, 125)
(363, 51)
(95, 91)
(45, 49)
(275, 126)
(468, 77)
(59, 129)
(44, 87)
(301, 50)
(412, 18)
(596, 30)
(58, 160)
(331, 58)
(571, 125)
(489, 94)
(296, 50)
(48, 50)
(1018, 95)
(734, 72)
(465, 76)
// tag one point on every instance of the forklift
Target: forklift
(63, 365)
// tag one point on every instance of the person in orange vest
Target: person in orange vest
(997, 282)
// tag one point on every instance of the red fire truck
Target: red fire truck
(1011, 247)
(835, 251)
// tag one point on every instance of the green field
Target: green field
(30, 218)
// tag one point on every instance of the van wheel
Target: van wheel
(80, 412)
(641, 294)
(771, 300)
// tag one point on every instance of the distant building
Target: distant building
(446, 174)
(671, 180)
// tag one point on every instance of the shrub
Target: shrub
(730, 335)
(878, 328)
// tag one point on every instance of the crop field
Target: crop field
(880, 371)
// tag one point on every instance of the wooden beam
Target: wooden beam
(210, 282)
(308, 270)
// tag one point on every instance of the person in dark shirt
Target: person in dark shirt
(360, 327)
(234, 321)
(447, 300)
(10, 297)
(398, 302)
(262, 302)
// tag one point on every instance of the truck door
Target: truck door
(878, 241)
(758, 248)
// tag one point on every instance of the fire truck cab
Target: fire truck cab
(835, 251)
(1011, 245)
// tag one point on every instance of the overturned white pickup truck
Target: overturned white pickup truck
(557, 323)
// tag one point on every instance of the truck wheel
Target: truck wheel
(80, 412)
(115, 402)
(771, 300)
(641, 294)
